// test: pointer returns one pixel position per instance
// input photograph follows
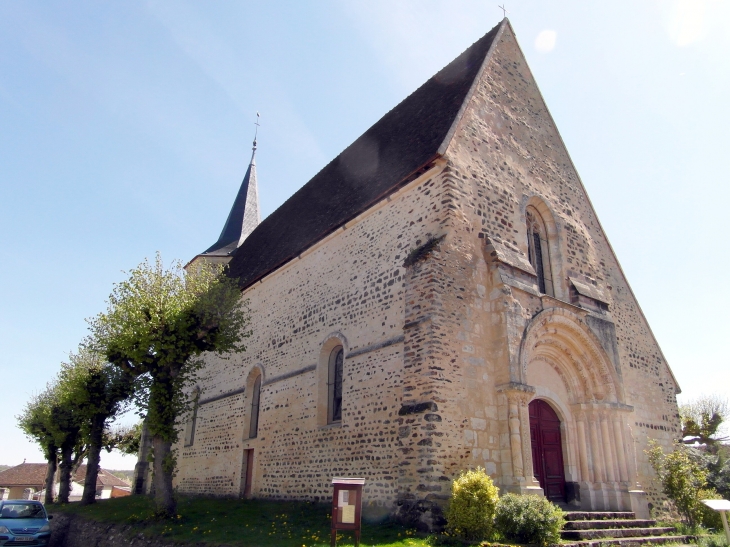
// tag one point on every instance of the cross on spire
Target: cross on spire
(504, 10)
(256, 134)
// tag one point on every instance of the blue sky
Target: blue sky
(125, 129)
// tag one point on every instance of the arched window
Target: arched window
(190, 426)
(537, 245)
(253, 428)
(334, 385)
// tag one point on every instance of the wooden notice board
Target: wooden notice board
(346, 507)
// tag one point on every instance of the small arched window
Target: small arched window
(539, 253)
(253, 428)
(334, 385)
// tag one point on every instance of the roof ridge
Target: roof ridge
(475, 83)
(374, 165)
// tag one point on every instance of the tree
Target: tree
(35, 421)
(701, 420)
(683, 480)
(99, 392)
(125, 439)
(157, 324)
(54, 421)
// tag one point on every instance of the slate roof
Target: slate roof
(25, 474)
(403, 142)
(243, 217)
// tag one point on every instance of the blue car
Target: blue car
(23, 522)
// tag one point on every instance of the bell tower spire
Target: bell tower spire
(245, 214)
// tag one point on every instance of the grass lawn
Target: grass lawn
(243, 523)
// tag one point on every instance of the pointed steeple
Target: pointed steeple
(244, 215)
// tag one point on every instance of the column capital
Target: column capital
(516, 392)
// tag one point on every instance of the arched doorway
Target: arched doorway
(547, 450)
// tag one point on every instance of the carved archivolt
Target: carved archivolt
(561, 339)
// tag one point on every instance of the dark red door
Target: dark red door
(547, 450)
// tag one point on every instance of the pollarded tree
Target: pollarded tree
(55, 422)
(157, 324)
(35, 421)
(99, 391)
(702, 419)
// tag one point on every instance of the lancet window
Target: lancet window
(334, 385)
(253, 428)
(539, 253)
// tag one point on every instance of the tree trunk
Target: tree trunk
(163, 467)
(64, 488)
(52, 458)
(161, 415)
(141, 469)
(92, 465)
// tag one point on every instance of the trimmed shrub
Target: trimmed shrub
(473, 500)
(709, 517)
(529, 519)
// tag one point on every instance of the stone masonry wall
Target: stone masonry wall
(427, 344)
(349, 287)
(506, 151)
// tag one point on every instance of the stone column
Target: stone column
(607, 456)
(620, 448)
(515, 436)
(585, 472)
(596, 452)
(518, 421)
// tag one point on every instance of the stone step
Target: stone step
(598, 524)
(615, 533)
(599, 515)
(631, 542)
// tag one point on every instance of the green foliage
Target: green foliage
(213, 522)
(126, 439)
(473, 500)
(158, 321)
(715, 459)
(37, 423)
(702, 419)
(157, 324)
(709, 517)
(529, 519)
(682, 480)
(713, 540)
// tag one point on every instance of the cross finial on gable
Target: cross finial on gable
(504, 10)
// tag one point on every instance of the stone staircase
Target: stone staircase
(599, 529)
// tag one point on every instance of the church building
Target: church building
(440, 296)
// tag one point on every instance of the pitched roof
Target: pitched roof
(402, 143)
(103, 478)
(243, 217)
(25, 474)
(34, 474)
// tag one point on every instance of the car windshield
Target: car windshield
(22, 511)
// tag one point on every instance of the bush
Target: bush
(709, 517)
(473, 500)
(529, 519)
(682, 480)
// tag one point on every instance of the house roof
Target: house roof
(34, 474)
(25, 474)
(400, 145)
(103, 478)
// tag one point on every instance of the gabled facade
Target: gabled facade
(440, 296)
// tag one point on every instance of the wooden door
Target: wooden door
(547, 450)
(248, 470)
